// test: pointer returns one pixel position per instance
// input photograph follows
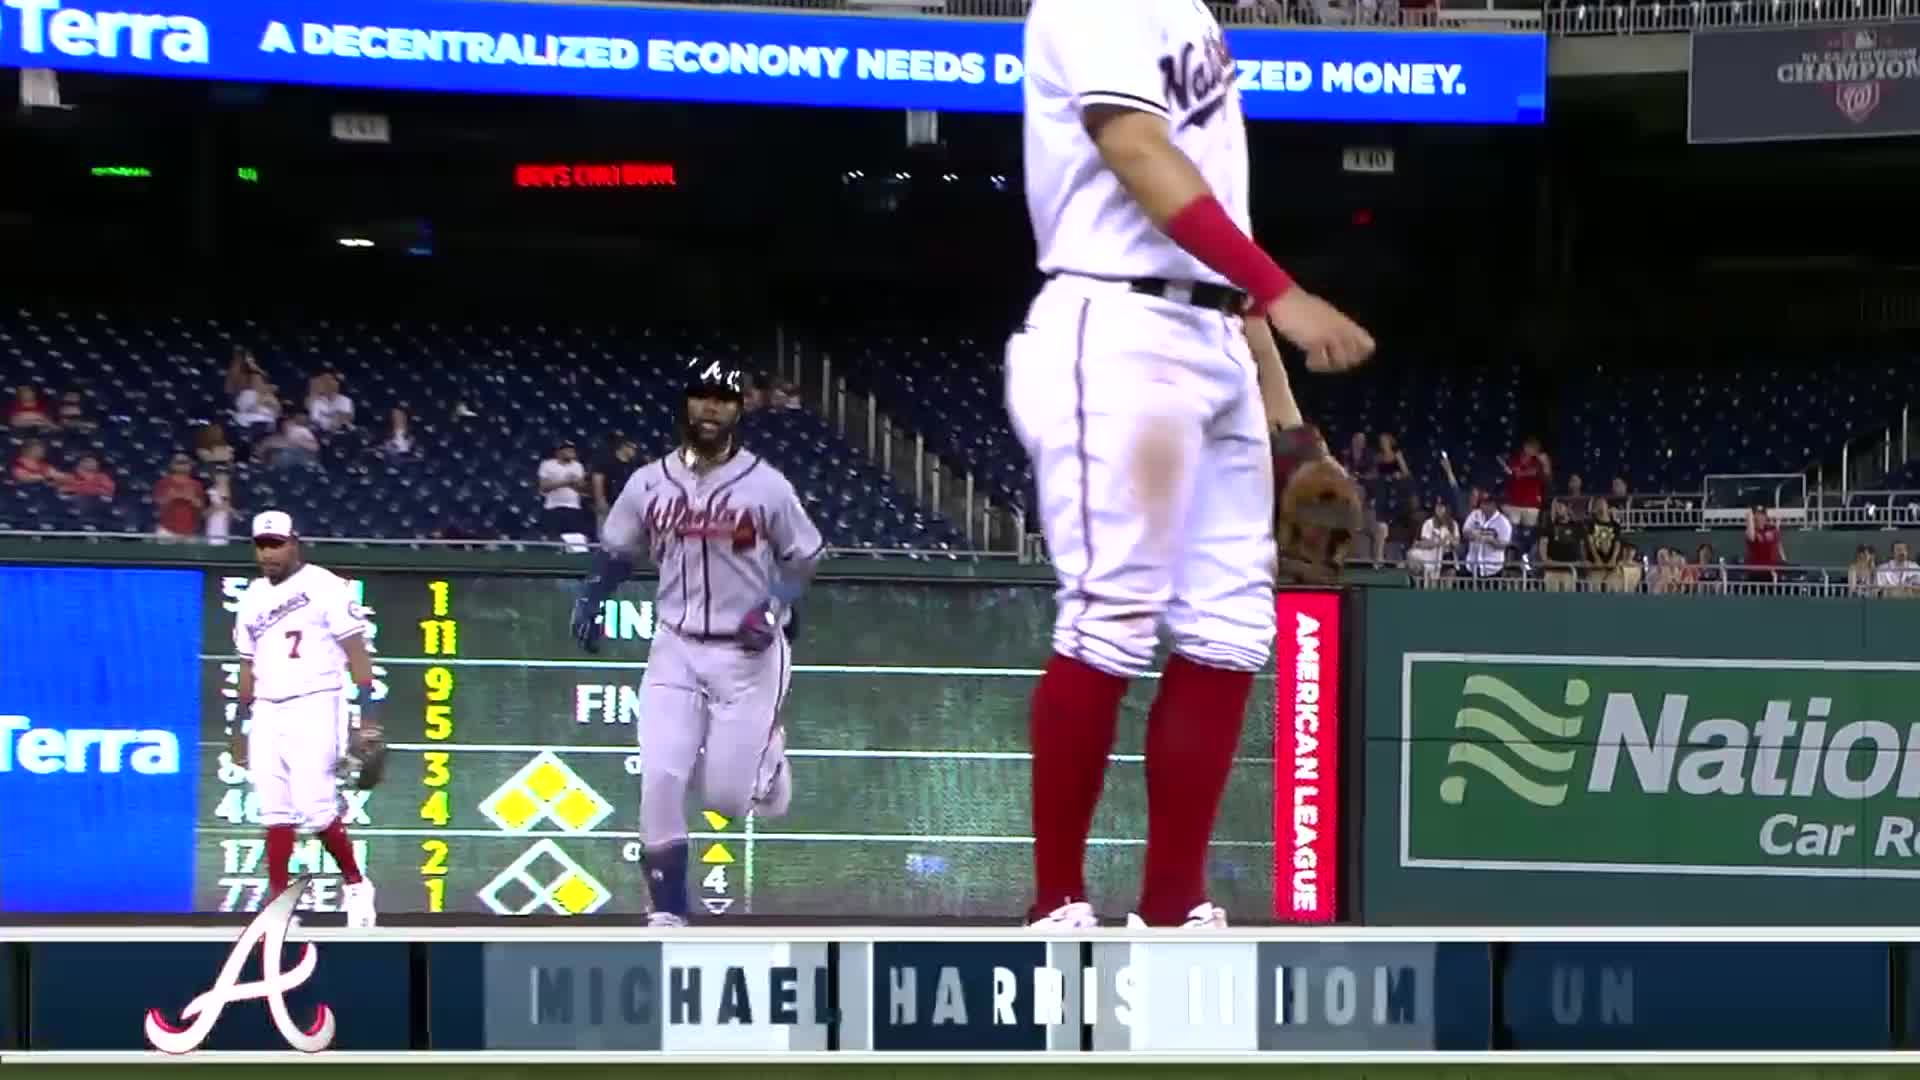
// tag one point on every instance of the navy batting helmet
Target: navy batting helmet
(711, 378)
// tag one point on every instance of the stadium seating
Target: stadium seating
(148, 380)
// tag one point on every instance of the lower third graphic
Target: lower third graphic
(269, 930)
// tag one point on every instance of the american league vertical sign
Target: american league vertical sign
(1835, 82)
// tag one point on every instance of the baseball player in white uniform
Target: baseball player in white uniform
(1143, 385)
(735, 550)
(299, 635)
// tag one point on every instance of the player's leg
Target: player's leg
(1113, 430)
(267, 767)
(746, 761)
(673, 724)
(1221, 625)
(320, 742)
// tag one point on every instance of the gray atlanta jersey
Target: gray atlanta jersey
(719, 538)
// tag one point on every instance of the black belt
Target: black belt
(704, 639)
(1202, 294)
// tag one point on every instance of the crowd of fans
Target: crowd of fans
(193, 494)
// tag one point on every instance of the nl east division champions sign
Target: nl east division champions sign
(1837, 82)
(1603, 764)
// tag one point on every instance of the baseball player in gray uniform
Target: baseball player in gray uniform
(735, 550)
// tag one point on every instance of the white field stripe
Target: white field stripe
(758, 836)
(876, 755)
(1492, 1060)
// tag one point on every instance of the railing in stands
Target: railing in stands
(1718, 579)
(1574, 18)
(1806, 509)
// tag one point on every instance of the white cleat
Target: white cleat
(357, 900)
(1067, 917)
(1204, 917)
(665, 920)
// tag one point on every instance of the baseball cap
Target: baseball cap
(275, 524)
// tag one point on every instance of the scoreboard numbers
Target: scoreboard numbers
(439, 636)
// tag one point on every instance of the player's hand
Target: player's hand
(757, 630)
(586, 624)
(237, 748)
(1331, 340)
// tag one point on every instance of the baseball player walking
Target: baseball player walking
(1144, 400)
(735, 550)
(296, 629)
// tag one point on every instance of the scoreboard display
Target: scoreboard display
(513, 781)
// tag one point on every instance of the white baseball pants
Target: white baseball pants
(293, 748)
(1149, 443)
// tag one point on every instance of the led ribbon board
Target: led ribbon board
(617, 51)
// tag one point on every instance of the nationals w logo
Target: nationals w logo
(269, 930)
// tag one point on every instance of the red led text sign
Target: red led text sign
(1306, 757)
(619, 174)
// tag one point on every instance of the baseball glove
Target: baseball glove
(1317, 507)
(366, 761)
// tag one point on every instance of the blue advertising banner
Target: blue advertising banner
(618, 51)
(99, 737)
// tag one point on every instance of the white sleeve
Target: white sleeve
(344, 618)
(1503, 529)
(242, 639)
(1107, 53)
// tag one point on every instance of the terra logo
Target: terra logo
(269, 931)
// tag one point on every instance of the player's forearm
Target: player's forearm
(1276, 392)
(246, 682)
(359, 663)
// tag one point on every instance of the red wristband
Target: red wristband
(1205, 231)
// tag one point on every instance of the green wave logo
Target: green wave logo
(1510, 741)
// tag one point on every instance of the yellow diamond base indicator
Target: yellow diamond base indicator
(576, 810)
(548, 781)
(575, 895)
(516, 810)
(717, 854)
(714, 821)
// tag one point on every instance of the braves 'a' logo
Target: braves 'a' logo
(269, 930)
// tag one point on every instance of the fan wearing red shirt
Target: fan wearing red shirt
(1765, 551)
(32, 466)
(1529, 471)
(178, 499)
(28, 412)
(87, 481)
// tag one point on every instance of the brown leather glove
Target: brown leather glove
(1317, 507)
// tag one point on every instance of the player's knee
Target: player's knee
(729, 798)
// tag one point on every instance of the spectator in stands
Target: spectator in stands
(1619, 494)
(1488, 532)
(220, 507)
(1437, 546)
(562, 482)
(1579, 505)
(1633, 570)
(1863, 571)
(754, 397)
(777, 399)
(32, 465)
(1705, 573)
(1562, 546)
(178, 500)
(611, 473)
(328, 410)
(1358, 459)
(241, 370)
(28, 412)
(87, 480)
(1766, 551)
(1529, 475)
(1392, 487)
(1900, 575)
(210, 446)
(73, 414)
(792, 390)
(399, 441)
(294, 446)
(256, 407)
(1604, 548)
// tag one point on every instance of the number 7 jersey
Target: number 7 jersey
(291, 632)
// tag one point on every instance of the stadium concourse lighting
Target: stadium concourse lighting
(354, 242)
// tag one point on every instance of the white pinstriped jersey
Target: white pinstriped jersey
(1166, 57)
(292, 633)
(719, 538)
